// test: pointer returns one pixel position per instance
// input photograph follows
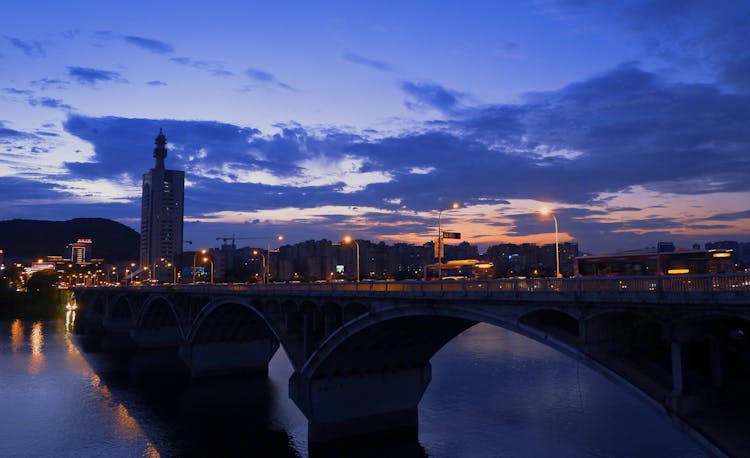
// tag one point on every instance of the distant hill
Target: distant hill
(30, 239)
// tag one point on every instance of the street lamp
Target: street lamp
(263, 265)
(212, 267)
(268, 257)
(195, 262)
(348, 240)
(453, 206)
(174, 272)
(544, 211)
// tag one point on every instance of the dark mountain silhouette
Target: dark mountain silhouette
(23, 239)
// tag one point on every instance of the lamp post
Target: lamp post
(546, 211)
(268, 257)
(263, 265)
(195, 262)
(453, 206)
(212, 267)
(348, 240)
(174, 272)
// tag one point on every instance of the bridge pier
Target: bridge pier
(224, 358)
(116, 337)
(154, 338)
(358, 404)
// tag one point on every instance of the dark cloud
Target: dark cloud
(14, 91)
(47, 83)
(214, 68)
(91, 76)
(7, 134)
(370, 63)
(708, 37)
(428, 95)
(260, 75)
(32, 190)
(30, 48)
(49, 103)
(622, 129)
(266, 77)
(149, 44)
(156, 83)
(729, 216)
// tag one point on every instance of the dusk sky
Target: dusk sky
(631, 119)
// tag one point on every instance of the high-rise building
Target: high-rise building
(161, 211)
(80, 251)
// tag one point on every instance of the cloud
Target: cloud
(156, 83)
(370, 63)
(7, 134)
(14, 91)
(429, 95)
(49, 103)
(590, 148)
(705, 37)
(155, 46)
(734, 216)
(47, 83)
(265, 77)
(91, 76)
(214, 68)
(30, 48)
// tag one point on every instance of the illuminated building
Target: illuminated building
(161, 210)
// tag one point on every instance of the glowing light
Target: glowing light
(721, 255)
(16, 335)
(678, 271)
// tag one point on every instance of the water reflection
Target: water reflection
(16, 335)
(492, 394)
(36, 339)
(70, 320)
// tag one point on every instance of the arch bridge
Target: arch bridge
(361, 351)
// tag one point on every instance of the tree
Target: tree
(42, 285)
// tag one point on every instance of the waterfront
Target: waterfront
(493, 393)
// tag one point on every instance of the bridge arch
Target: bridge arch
(229, 335)
(157, 311)
(121, 308)
(464, 316)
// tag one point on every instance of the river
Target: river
(493, 394)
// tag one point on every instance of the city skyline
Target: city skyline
(627, 119)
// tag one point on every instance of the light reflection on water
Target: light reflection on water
(493, 393)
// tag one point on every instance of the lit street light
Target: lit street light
(195, 262)
(348, 240)
(262, 256)
(544, 211)
(453, 206)
(212, 267)
(174, 272)
(268, 257)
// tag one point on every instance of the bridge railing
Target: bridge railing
(726, 283)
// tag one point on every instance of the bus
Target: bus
(651, 262)
(460, 269)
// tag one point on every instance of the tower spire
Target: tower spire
(160, 152)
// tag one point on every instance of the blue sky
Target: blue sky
(318, 119)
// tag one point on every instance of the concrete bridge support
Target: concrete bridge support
(223, 358)
(155, 338)
(357, 404)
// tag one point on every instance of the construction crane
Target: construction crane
(233, 238)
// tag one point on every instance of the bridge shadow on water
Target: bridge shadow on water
(217, 416)
(233, 415)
